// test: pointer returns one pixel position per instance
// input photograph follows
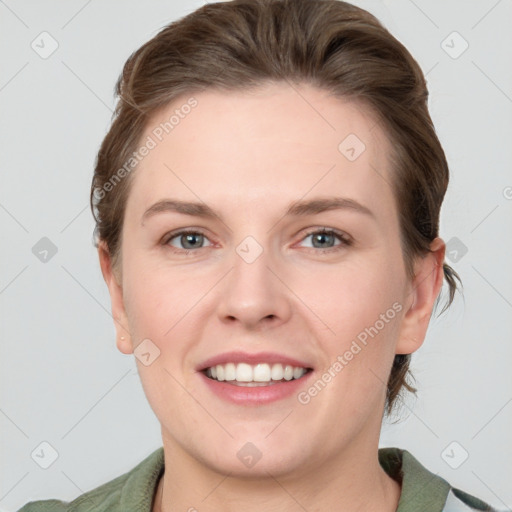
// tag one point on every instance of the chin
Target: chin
(258, 458)
(257, 465)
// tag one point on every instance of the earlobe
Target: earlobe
(114, 284)
(124, 344)
(423, 292)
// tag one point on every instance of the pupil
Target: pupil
(321, 237)
(190, 238)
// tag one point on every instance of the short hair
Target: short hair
(329, 44)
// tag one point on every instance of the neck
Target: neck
(353, 481)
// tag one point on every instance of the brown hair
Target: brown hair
(329, 44)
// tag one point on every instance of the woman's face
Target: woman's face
(292, 258)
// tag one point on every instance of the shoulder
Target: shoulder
(133, 490)
(422, 488)
(44, 506)
(458, 500)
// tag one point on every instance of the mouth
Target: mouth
(255, 375)
(256, 379)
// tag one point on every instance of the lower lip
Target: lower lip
(256, 395)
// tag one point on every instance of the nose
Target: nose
(254, 294)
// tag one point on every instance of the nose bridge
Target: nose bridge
(252, 291)
(251, 265)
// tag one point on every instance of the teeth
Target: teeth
(244, 372)
(262, 372)
(277, 372)
(229, 371)
(297, 373)
(288, 372)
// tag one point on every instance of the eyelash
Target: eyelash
(345, 240)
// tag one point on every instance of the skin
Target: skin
(248, 155)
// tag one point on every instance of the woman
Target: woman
(267, 204)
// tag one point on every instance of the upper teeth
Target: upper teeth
(262, 372)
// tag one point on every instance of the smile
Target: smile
(261, 374)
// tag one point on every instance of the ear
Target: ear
(423, 291)
(114, 284)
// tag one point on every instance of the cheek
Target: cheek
(150, 293)
(159, 312)
(168, 307)
(359, 307)
(352, 294)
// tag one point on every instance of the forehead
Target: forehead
(274, 143)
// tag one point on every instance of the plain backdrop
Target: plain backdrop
(63, 382)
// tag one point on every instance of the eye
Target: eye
(324, 239)
(185, 240)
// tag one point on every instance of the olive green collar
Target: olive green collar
(421, 489)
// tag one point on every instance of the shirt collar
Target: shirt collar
(421, 489)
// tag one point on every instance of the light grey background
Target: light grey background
(63, 380)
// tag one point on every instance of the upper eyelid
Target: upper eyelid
(343, 237)
(324, 229)
(173, 234)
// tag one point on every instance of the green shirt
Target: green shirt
(422, 491)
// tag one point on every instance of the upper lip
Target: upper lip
(244, 357)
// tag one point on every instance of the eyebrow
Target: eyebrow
(295, 209)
